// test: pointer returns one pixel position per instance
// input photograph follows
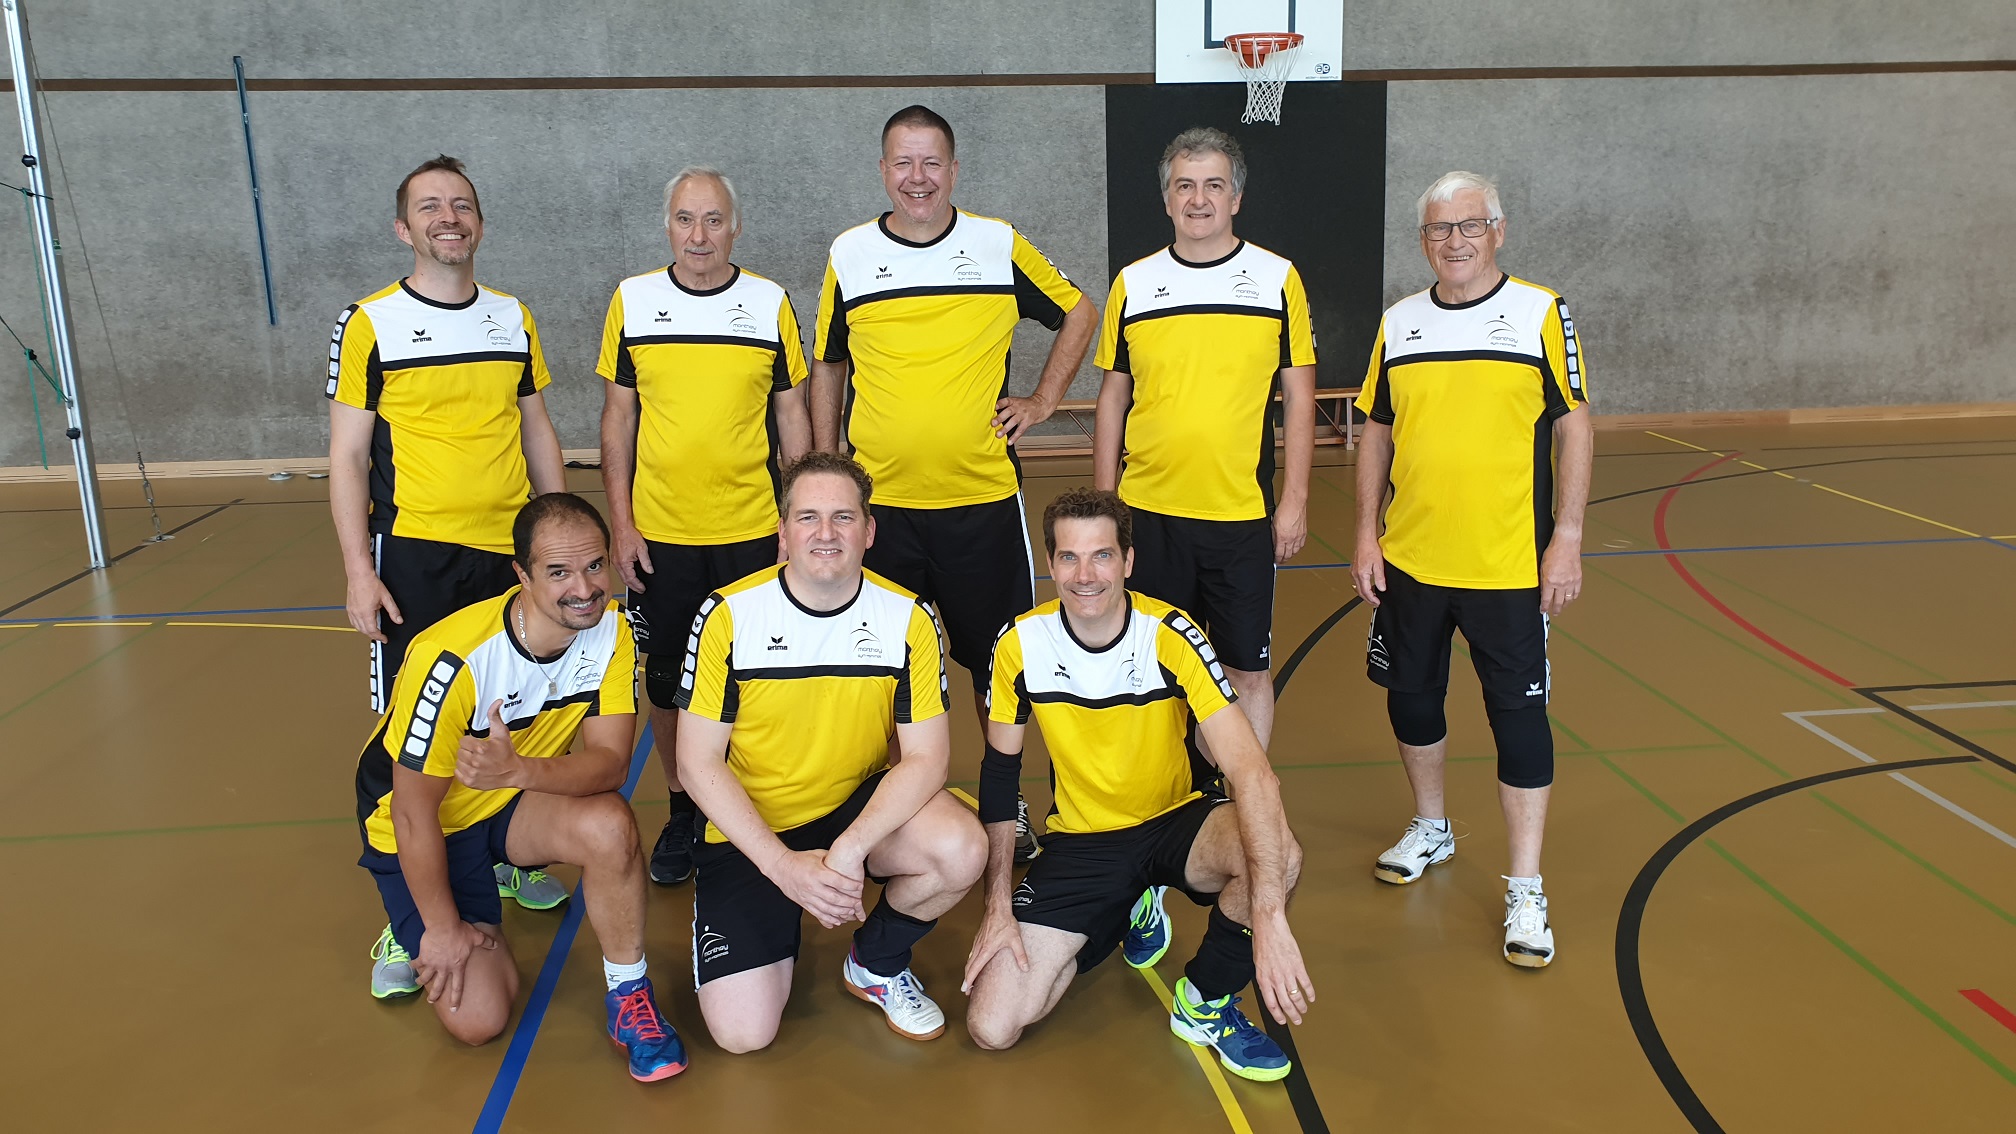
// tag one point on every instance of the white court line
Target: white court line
(1907, 781)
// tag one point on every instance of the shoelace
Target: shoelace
(1419, 835)
(1529, 912)
(388, 950)
(528, 877)
(1145, 917)
(636, 1011)
(906, 986)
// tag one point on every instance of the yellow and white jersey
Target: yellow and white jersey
(444, 380)
(1472, 391)
(814, 695)
(454, 671)
(1205, 344)
(928, 327)
(1114, 718)
(705, 365)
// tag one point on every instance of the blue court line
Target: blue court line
(491, 1118)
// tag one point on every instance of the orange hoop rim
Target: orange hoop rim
(1253, 48)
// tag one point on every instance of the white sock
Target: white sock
(615, 974)
(1517, 884)
(1191, 995)
(1440, 825)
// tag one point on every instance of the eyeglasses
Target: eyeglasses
(1473, 228)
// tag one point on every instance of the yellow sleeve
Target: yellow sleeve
(1042, 292)
(354, 376)
(536, 377)
(829, 333)
(433, 701)
(1374, 400)
(1567, 387)
(1183, 650)
(790, 366)
(1112, 352)
(618, 695)
(706, 688)
(614, 362)
(1007, 695)
(1298, 338)
(921, 689)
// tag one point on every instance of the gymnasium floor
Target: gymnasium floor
(187, 930)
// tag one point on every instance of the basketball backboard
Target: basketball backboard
(1190, 37)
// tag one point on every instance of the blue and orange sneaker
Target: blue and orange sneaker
(1147, 930)
(1243, 1048)
(636, 1026)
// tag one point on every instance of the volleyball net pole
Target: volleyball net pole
(62, 347)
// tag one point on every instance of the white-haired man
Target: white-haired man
(1479, 421)
(703, 407)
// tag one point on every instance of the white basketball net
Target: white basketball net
(1265, 58)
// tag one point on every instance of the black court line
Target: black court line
(1300, 1094)
(1630, 923)
(1795, 468)
(1875, 693)
(87, 572)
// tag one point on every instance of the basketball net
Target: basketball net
(1264, 58)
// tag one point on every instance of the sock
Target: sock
(614, 974)
(1517, 884)
(1441, 825)
(882, 944)
(682, 804)
(1224, 961)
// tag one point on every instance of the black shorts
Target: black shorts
(429, 580)
(1407, 648)
(1088, 883)
(1219, 572)
(741, 920)
(473, 853)
(682, 575)
(972, 563)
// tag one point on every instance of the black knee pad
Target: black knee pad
(1417, 717)
(1525, 745)
(661, 678)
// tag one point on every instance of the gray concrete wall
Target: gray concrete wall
(1728, 243)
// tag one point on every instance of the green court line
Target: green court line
(1900, 848)
(1570, 733)
(1641, 789)
(1821, 623)
(1677, 706)
(1868, 966)
(1999, 780)
(205, 829)
(1341, 557)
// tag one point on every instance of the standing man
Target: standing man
(476, 761)
(704, 365)
(798, 677)
(1197, 339)
(1479, 422)
(1115, 679)
(437, 435)
(923, 304)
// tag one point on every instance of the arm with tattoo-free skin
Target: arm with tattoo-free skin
(702, 752)
(423, 861)
(1264, 835)
(794, 425)
(486, 763)
(998, 927)
(1575, 455)
(620, 411)
(1109, 429)
(924, 753)
(350, 431)
(1015, 416)
(827, 394)
(1375, 468)
(541, 445)
(1298, 443)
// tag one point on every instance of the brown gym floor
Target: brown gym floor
(187, 931)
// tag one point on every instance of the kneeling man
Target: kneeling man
(474, 765)
(794, 682)
(1114, 679)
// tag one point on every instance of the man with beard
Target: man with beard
(437, 435)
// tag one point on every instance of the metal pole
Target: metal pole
(61, 347)
(258, 205)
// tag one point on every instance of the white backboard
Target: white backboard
(1190, 37)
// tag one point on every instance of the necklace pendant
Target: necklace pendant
(551, 689)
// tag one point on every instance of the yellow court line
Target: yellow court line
(1824, 488)
(1234, 1114)
(268, 626)
(102, 622)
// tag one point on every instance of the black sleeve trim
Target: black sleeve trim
(836, 327)
(1032, 303)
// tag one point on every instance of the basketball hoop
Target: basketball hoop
(1264, 58)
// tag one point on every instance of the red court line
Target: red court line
(1986, 1003)
(1659, 534)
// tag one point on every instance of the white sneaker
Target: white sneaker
(1529, 939)
(1421, 847)
(911, 1014)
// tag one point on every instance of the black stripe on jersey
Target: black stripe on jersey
(518, 356)
(912, 292)
(780, 365)
(793, 672)
(374, 775)
(626, 368)
(836, 327)
(528, 382)
(1172, 689)
(1177, 621)
(731, 697)
(1554, 405)
(1543, 484)
(1021, 686)
(589, 697)
(1389, 362)
(427, 711)
(1382, 394)
(1032, 303)
(1206, 309)
(374, 379)
(903, 690)
(718, 340)
(384, 468)
(1287, 349)
(1263, 468)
